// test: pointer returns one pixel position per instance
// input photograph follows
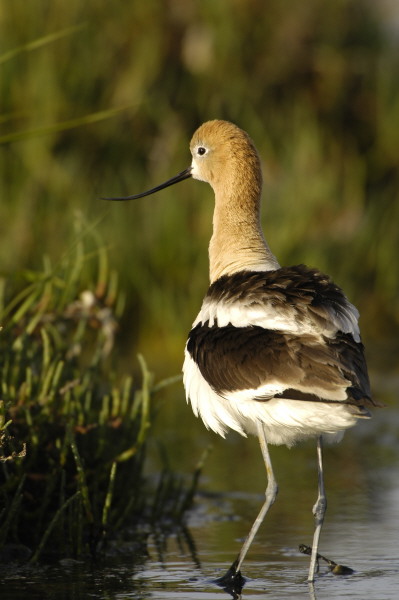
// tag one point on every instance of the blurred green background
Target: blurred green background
(101, 99)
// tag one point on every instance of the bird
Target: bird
(275, 351)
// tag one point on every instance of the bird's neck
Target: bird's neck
(237, 242)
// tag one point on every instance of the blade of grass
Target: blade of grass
(145, 400)
(81, 479)
(108, 497)
(40, 42)
(63, 125)
(51, 526)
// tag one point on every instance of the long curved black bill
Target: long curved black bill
(180, 177)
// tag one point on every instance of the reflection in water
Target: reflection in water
(312, 591)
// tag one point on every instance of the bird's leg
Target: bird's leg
(271, 493)
(233, 580)
(319, 511)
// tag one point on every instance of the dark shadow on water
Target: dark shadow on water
(184, 539)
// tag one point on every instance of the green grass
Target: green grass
(73, 431)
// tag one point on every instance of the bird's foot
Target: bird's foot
(333, 566)
(232, 581)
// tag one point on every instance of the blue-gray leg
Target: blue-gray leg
(271, 493)
(319, 511)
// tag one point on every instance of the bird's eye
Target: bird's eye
(201, 150)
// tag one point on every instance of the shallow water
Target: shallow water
(361, 528)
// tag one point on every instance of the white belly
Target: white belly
(285, 421)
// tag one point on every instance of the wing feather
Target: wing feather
(289, 332)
